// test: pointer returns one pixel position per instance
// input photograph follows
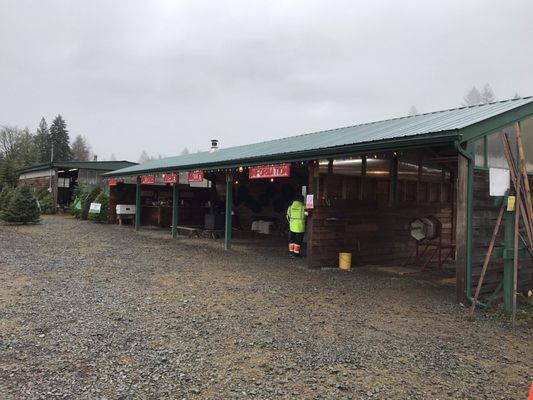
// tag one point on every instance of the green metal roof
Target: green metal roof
(92, 165)
(424, 129)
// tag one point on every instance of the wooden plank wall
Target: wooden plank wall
(371, 226)
(484, 220)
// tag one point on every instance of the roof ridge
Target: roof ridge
(373, 122)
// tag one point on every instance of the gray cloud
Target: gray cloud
(163, 75)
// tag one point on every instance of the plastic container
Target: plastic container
(345, 261)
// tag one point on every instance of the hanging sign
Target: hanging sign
(94, 208)
(270, 171)
(309, 202)
(195, 176)
(148, 179)
(112, 181)
(170, 178)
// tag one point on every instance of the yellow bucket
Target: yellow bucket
(345, 260)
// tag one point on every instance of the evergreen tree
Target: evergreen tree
(42, 140)
(27, 153)
(60, 140)
(81, 150)
(87, 200)
(487, 94)
(473, 98)
(22, 207)
(5, 195)
(104, 208)
(412, 111)
(8, 173)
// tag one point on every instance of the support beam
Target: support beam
(175, 205)
(138, 204)
(461, 229)
(508, 261)
(229, 210)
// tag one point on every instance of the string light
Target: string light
(271, 179)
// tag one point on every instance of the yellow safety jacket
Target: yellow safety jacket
(296, 217)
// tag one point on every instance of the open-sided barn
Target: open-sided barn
(367, 184)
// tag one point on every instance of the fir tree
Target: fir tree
(60, 140)
(81, 150)
(104, 206)
(43, 141)
(8, 174)
(5, 195)
(22, 207)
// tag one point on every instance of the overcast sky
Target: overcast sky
(163, 75)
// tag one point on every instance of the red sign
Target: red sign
(148, 179)
(270, 171)
(170, 178)
(112, 181)
(195, 176)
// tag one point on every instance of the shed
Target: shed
(61, 177)
(369, 181)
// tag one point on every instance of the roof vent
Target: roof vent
(214, 145)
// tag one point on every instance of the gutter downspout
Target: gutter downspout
(469, 219)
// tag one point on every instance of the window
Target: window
(378, 166)
(526, 132)
(350, 166)
(479, 154)
(496, 156)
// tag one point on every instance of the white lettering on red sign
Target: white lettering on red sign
(112, 182)
(148, 179)
(195, 176)
(170, 178)
(270, 171)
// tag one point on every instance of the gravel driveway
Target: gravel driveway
(99, 311)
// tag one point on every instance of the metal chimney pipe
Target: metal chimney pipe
(214, 145)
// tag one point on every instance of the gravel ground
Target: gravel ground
(99, 311)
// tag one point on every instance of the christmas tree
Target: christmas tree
(103, 200)
(22, 207)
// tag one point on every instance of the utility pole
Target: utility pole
(51, 164)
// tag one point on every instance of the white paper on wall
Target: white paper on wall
(499, 180)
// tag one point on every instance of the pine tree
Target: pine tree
(104, 208)
(43, 140)
(22, 207)
(60, 140)
(5, 195)
(81, 149)
(8, 173)
(487, 94)
(473, 98)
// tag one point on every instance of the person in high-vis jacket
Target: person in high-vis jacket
(296, 215)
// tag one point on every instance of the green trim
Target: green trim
(138, 205)
(496, 123)
(229, 211)
(175, 205)
(90, 165)
(469, 211)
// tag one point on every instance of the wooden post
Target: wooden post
(461, 218)
(175, 205)
(138, 204)
(229, 210)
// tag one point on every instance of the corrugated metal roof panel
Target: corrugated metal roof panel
(92, 165)
(439, 122)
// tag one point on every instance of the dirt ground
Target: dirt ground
(99, 311)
